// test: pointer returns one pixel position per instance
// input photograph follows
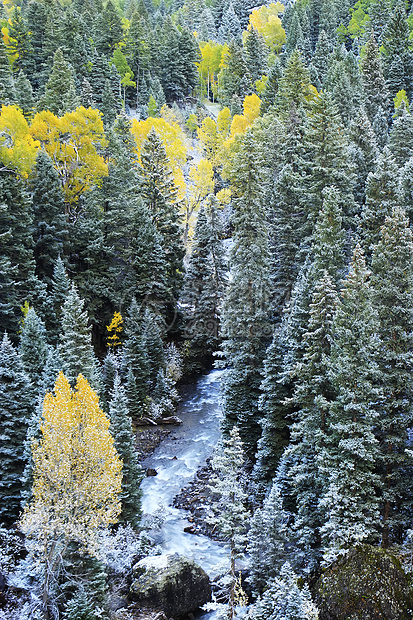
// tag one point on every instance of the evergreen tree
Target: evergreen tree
(230, 27)
(7, 92)
(363, 152)
(397, 53)
(18, 281)
(376, 94)
(33, 348)
(24, 95)
(343, 81)
(312, 397)
(267, 539)
(19, 43)
(60, 95)
(328, 162)
(36, 15)
(49, 221)
(321, 54)
(204, 286)
(121, 429)
(255, 55)
(329, 238)
(349, 459)
(284, 599)
(232, 74)
(381, 197)
(152, 333)
(246, 314)
(16, 406)
(391, 283)
(76, 346)
(230, 515)
(109, 29)
(401, 137)
(159, 193)
(135, 362)
(294, 86)
(271, 86)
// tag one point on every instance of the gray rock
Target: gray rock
(172, 583)
(368, 584)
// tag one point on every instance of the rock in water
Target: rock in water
(172, 583)
(369, 584)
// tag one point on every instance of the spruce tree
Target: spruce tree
(76, 348)
(312, 397)
(381, 196)
(135, 361)
(24, 95)
(203, 288)
(391, 284)
(401, 137)
(349, 458)
(33, 348)
(60, 95)
(376, 94)
(245, 327)
(363, 152)
(121, 429)
(49, 221)
(267, 540)
(7, 92)
(16, 407)
(255, 55)
(285, 599)
(397, 52)
(328, 162)
(160, 195)
(271, 86)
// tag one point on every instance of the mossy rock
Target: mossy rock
(172, 583)
(368, 584)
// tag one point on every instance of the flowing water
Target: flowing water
(176, 460)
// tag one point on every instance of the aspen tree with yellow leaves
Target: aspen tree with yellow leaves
(77, 480)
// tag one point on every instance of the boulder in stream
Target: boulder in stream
(172, 583)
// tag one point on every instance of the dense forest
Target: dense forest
(195, 183)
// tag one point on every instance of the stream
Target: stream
(176, 460)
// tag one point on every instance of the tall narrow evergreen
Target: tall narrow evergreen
(204, 287)
(49, 225)
(76, 348)
(121, 429)
(60, 95)
(391, 282)
(350, 455)
(246, 327)
(382, 194)
(16, 407)
(376, 94)
(33, 348)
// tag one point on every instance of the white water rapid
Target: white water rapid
(176, 460)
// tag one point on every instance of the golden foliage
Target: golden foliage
(173, 140)
(18, 148)
(77, 472)
(115, 328)
(266, 21)
(73, 142)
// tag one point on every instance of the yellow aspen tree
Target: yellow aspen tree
(114, 329)
(77, 479)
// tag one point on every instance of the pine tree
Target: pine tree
(24, 95)
(18, 281)
(294, 86)
(376, 94)
(271, 86)
(121, 429)
(381, 197)
(329, 238)
(135, 362)
(160, 195)
(255, 55)
(203, 289)
(60, 95)
(7, 93)
(230, 27)
(391, 284)
(321, 54)
(16, 407)
(328, 162)
(230, 515)
(109, 29)
(48, 216)
(284, 599)
(343, 81)
(312, 397)
(267, 539)
(363, 152)
(245, 326)
(19, 43)
(33, 348)
(401, 137)
(397, 53)
(232, 73)
(152, 334)
(349, 459)
(76, 348)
